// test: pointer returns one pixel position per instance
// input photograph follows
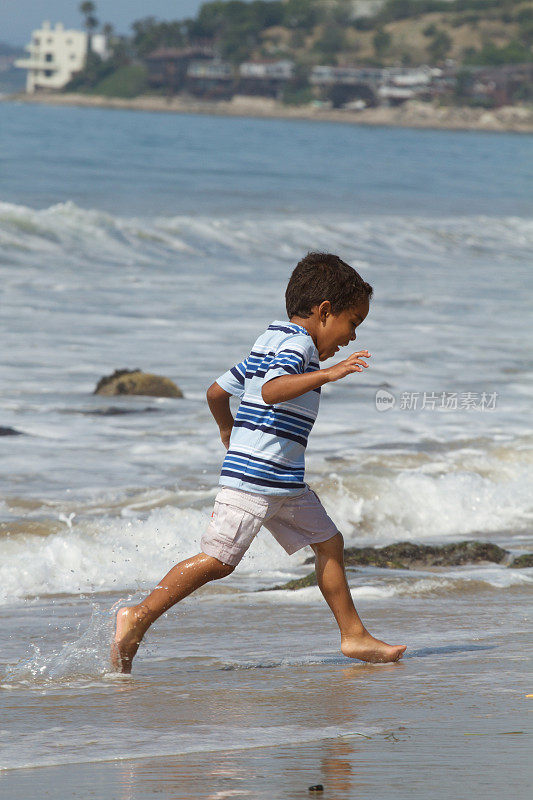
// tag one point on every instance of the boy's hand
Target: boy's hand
(225, 437)
(349, 365)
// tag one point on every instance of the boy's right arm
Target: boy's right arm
(287, 387)
(218, 402)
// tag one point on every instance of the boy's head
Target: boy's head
(330, 298)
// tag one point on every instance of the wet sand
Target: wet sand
(413, 114)
(224, 703)
(395, 764)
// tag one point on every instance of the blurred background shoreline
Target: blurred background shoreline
(413, 114)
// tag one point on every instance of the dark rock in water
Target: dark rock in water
(297, 583)
(317, 788)
(10, 432)
(134, 381)
(405, 554)
(112, 411)
(520, 562)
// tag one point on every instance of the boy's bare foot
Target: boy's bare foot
(128, 636)
(366, 648)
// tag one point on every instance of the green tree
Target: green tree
(382, 42)
(149, 34)
(301, 14)
(440, 46)
(332, 40)
(88, 9)
(298, 90)
(463, 85)
(491, 55)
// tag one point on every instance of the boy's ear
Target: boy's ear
(324, 311)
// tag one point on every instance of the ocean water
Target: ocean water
(165, 242)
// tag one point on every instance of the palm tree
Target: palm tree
(88, 10)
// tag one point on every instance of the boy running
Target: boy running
(262, 476)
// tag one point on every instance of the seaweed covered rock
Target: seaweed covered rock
(297, 583)
(403, 555)
(520, 562)
(135, 381)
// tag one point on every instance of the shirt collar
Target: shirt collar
(296, 328)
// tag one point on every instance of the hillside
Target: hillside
(499, 34)
(325, 32)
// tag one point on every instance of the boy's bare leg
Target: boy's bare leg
(356, 641)
(132, 622)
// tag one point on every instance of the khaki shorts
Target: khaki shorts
(293, 520)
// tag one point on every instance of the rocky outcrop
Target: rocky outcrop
(520, 562)
(405, 555)
(134, 381)
(297, 583)
(9, 432)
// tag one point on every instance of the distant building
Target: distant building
(211, 79)
(500, 84)
(167, 66)
(374, 84)
(56, 54)
(329, 76)
(266, 78)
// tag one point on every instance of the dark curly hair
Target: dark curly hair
(324, 276)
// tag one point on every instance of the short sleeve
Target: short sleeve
(291, 358)
(232, 381)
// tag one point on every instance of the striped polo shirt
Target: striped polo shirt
(267, 445)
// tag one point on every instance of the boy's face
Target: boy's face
(337, 330)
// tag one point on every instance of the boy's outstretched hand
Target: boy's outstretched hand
(353, 363)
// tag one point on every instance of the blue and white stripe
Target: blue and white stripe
(267, 446)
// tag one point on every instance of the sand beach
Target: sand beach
(412, 114)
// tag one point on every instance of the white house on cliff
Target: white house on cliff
(55, 54)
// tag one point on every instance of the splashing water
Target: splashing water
(86, 657)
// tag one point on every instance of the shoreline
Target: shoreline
(412, 114)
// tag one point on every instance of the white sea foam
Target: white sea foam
(116, 554)
(389, 585)
(136, 549)
(78, 233)
(426, 503)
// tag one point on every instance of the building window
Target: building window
(48, 73)
(72, 56)
(69, 41)
(49, 40)
(49, 57)
(36, 41)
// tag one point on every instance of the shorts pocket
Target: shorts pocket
(234, 527)
(254, 505)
